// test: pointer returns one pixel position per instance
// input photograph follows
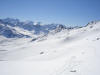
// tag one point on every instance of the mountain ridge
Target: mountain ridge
(28, 26)
(14, 28)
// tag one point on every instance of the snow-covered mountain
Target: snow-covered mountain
(8, 28)
(71, 51)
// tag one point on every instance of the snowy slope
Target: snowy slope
(69, 52)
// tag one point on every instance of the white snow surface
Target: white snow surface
(69, 52)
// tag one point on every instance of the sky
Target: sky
(68, 12)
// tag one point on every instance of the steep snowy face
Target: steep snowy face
(11, 32)
(28, 26)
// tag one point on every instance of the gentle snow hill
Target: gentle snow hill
(68, 52)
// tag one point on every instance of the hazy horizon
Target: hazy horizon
(67, 12)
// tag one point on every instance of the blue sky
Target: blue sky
(69, 12)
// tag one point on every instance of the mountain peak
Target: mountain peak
(34, 28)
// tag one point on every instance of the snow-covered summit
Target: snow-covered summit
(28, 26)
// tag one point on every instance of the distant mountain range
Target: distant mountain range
(12, 28)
